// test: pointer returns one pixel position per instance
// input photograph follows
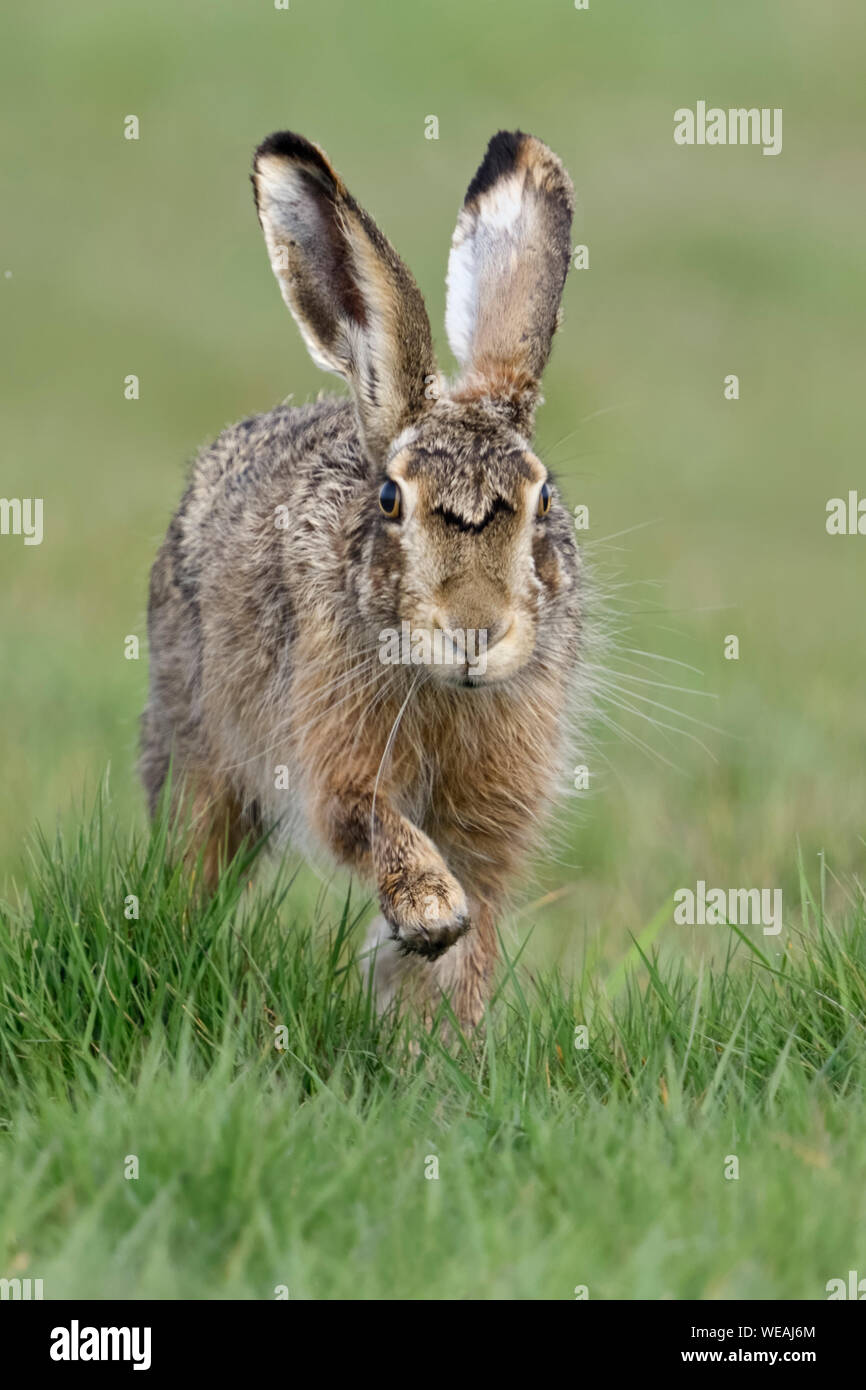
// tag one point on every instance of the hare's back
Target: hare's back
(260, 475)
(288, 446)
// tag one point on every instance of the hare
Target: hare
(323, 555)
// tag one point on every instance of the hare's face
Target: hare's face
(467, 554)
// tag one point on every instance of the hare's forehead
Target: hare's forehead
(466, 472)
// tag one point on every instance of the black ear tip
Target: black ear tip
(509, 150)
(499, 161)
(286, 144)
(506, 143)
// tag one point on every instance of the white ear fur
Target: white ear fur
(506, 272)
(475, 237)
(284, 201)
(461, 305)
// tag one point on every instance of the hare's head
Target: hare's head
(461, 544)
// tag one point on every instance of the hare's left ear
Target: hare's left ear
(509, 259)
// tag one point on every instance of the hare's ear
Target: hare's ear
(508, 263)
(358, 308)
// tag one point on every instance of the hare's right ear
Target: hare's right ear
(509, 259)
(358, 308)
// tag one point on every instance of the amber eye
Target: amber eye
(544, 500)
(389, 499)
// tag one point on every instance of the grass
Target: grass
(155, 1039)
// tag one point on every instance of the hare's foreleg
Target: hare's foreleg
(421, 899)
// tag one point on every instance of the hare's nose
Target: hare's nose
(496, 630)
(486, 634)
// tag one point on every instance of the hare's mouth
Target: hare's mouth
(468, 679)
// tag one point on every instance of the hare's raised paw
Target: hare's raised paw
(427, 911)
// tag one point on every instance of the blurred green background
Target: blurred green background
(145, 257)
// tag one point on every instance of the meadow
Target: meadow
(558, 1166)
(203, 1104)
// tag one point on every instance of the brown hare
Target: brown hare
(365, 618)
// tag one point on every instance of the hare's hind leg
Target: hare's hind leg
(206, 816)
(215, 827)
(463, 973)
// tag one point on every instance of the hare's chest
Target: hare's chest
(470, 763)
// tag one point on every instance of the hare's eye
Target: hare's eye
(544, 500)
(389, 499)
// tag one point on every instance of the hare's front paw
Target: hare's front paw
(427, 910)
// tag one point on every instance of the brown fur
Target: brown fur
(432, 783)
